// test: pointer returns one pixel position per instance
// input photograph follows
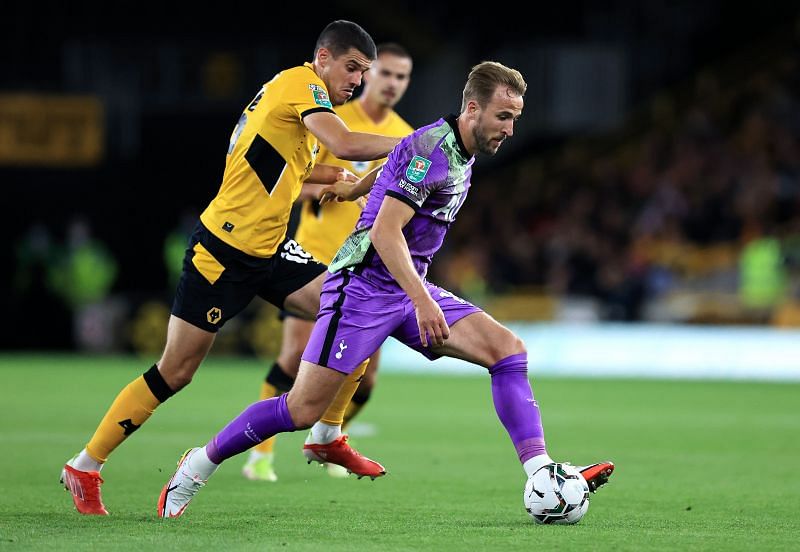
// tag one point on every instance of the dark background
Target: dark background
(167, 125)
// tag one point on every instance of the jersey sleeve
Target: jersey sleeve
(413, 176)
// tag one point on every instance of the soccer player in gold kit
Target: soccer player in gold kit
(322, 230)
(239, 247)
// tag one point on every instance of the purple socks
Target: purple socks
(516, 407)
(259, 421)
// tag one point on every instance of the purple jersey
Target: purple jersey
(428, 170)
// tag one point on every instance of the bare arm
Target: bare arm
(343, 190)
(387, 238)
(328, 174)
(321, 177)
(345, 144)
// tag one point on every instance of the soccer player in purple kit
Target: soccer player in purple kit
(377, 288)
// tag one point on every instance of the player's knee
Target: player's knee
(289, 359)
(305, 413)
(178, 375)
(367, 383)
(517, 345)
(304, 418)
(509, 344)
(362, 394)
(179, 380)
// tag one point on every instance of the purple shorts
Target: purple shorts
(355, 318)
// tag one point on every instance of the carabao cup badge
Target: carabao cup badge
(320, 96)
(417, 169)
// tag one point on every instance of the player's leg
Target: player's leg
(351, 397)
(326, 444)
(313, 390)
(343, 337)
(294, 287)
(364, 390)
(185, 349)
(355, 318)
(260, 465)
(214, 287)
(478, 338)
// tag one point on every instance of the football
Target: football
(556, 493)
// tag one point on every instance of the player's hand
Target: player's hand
(346, 175)
(432, 325)
(341, 190)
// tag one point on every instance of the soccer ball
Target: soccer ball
(556, 493)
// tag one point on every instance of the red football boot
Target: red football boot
(85, 489)
(596, 475)
(339, 452)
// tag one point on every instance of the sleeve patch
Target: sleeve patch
(417, 169)
(320, 96)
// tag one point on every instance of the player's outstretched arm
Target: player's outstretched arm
(344, 143)
(387, 237)
(328, 174)
(322, 176)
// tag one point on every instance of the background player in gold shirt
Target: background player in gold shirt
(322, 230)
(239, 248)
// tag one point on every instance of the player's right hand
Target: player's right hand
(341, 190)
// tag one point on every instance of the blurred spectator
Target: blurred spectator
(85, 270)
(175, 245)
(763, 276)
(670, 208)
(82, 274)
(32, 293)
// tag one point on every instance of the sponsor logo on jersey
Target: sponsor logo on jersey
(407, 186)
(293, 251)
(417, 169)
(320, 96)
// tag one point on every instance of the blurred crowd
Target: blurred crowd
(704, 201)
(689, 214)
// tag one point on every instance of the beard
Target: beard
(482, 141)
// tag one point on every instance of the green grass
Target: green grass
(700, 466)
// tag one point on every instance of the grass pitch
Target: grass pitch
(700, 466)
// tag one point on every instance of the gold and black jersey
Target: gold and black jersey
(271, 153)
(322, 230)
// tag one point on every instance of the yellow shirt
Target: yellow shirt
(322, 230)
(271, 153)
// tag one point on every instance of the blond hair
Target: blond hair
(484, 79)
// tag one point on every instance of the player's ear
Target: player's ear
(323, 55)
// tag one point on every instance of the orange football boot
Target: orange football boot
(85, 489)
(596, 475)
(339, 452)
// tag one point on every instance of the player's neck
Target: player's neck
(376, 112)
(466, 136)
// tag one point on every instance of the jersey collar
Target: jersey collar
(452, 120)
